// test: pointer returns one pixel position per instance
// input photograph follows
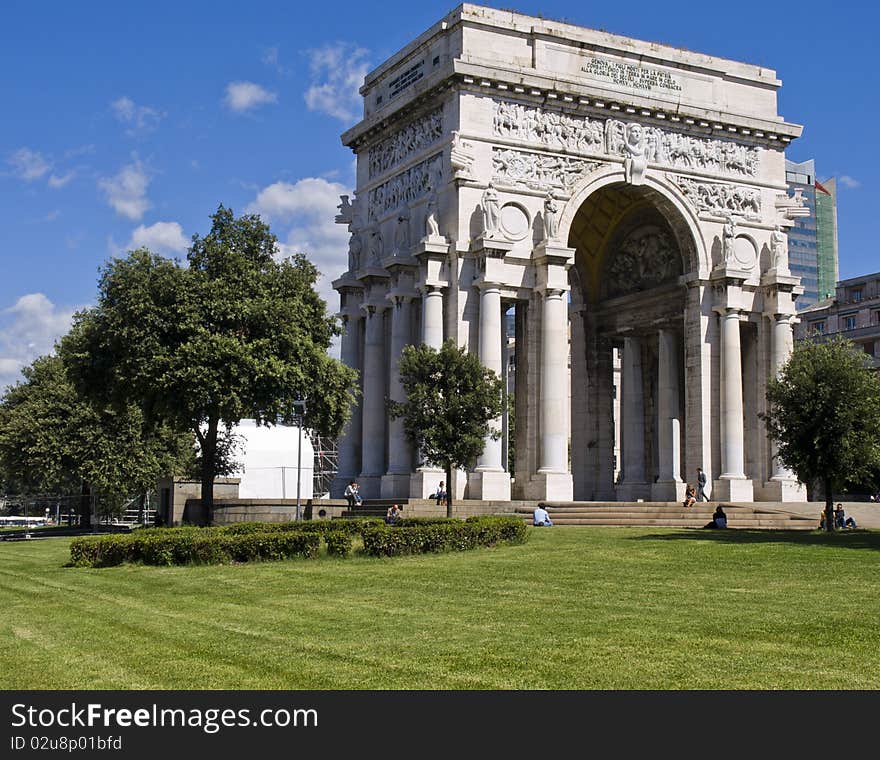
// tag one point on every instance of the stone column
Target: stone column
(424, 481)
(633, 483)
(489, 481)
(554, 395)
(395, 483)
(432, 316)
(349, 465)
(374, 415)
(732, 484)
(669, 486)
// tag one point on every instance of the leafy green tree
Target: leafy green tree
(54, 441)
(235, 334)
(824, 412)
(451, 400)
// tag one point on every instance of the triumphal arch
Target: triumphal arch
(626, 202)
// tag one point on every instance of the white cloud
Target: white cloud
(309, 206)
(126, 191)
(29, 329)
(139, 118)
(55, 181)
(29, 165)
(245, 96)
(850, 182)
(161, 237)
(337, 73)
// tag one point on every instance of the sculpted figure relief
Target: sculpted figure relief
(646, 258)
(401, 233)
(721, 199)
(413, 137)
(491, 210)
(538, 171)
(432, 226)
(405, 187)
(636, 161)
(551, 211)
(729, 240)
(580, 134)
(355, 247)
(779, 250)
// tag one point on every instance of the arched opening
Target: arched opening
(628, 305)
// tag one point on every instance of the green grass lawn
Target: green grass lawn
(575, 608)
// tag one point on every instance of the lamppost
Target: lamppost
(300, 405)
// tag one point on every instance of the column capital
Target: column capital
(372, 308)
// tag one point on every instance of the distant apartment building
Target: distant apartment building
(812, 241)
(853, 313)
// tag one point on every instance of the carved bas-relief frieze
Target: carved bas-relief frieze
(405, 187)
(538, 171)
(719, 199)
(410, 139)
(646, 257)
(581, 134)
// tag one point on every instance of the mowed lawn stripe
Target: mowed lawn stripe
(573, 608)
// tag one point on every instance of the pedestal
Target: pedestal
(423, 483)
(489, 486)
(782, 490)
(668, 490)
(550, 486)
(733, 489)
(395, 486)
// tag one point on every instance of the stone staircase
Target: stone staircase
(669, 515)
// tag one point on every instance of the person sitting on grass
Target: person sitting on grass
(839, 517)
(541, 518)
(719, 519)
(690, 496)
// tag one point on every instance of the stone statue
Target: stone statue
(491, 211)
(729, 240)
(636, 161)
(346, 211)
(779, 250)
(376, 246)
(461, 156)
(432, 227)
(355, 247)
(551, 210)
(401, 234)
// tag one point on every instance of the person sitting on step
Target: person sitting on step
(541, 518)
(690, 496)
(719, 519)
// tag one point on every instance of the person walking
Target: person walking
(701, 485)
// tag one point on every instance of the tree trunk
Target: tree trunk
(85, 506)
(209, 456)
(448, 489)
(829, 505)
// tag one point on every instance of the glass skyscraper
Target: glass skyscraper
(812, 241)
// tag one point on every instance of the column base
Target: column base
(732, 489)
(339, 484)
(633, 491)
(423, 483)
(549, 486)
(489, 486)
(781, 490)
(370, 486)
(395, 485)
(668, 490)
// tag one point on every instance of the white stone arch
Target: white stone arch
(613, 175)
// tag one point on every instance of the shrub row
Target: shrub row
(191, 546)
(449, 535)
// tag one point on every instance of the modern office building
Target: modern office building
(853, 313)
(812, 241)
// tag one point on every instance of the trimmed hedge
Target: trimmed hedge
(247, 542)
(172, 546)
(449, 535)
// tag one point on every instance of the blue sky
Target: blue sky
(128, 123)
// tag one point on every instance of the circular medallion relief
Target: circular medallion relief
(744, 252)
(514, 221)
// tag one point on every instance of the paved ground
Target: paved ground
(866, 514)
